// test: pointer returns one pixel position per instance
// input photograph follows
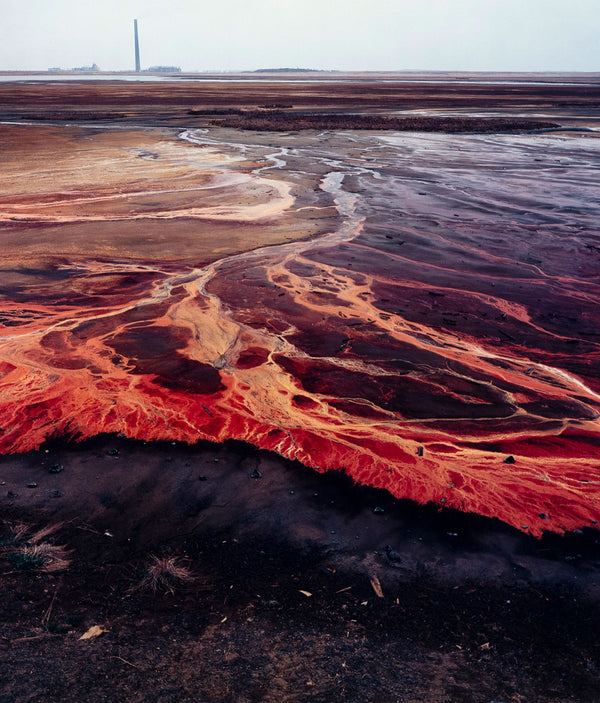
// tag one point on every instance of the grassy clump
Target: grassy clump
(164, 574)
(40, 557)
(30, 551)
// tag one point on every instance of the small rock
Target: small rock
(122, 435)
(32, 485)
(543, 516)
(377, 509)
(202, 478)
(291, 493)
(420, 451)
(113, 452)
(392, 557)
(256, 474)
(509, 460)
(55, 493)
(56, 468)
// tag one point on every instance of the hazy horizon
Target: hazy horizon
(370, 35)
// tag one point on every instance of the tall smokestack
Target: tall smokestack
(137, 47)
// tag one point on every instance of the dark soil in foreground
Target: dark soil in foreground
(284, 604)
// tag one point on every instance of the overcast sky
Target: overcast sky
(528, 35)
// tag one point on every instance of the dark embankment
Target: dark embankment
(278, 121)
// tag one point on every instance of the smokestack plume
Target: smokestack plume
(137, 47)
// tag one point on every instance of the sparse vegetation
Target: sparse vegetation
(42, 557)
(30, 551)
(164, 574)
(15, 534)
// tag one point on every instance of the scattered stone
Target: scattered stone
(256, 474)
(524, 527)
(377, 509)
(420, 451)
(543, 516)
(122, 435)
(202, 478)
(291, 493)
(509, 460)
(55, 493)
(56, 468)
(32, 485)
(443, 500)
(392, 557)
(113, 452)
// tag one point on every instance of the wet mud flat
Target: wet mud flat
(418, 310)
(306, 587)
(575, 98)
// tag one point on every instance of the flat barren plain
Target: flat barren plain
(330, 344)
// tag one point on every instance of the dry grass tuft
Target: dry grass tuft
(40, 557)
(165, 574)
(29, 550)
(16, 533)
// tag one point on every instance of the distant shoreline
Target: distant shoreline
(311, 75)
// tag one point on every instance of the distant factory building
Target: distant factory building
(87, 69)
(164, 69)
